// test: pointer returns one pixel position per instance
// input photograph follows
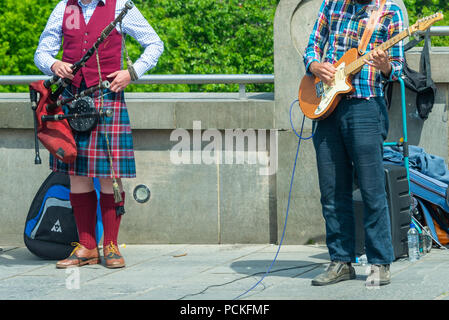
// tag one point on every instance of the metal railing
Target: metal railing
(437, 31)
(241, 79)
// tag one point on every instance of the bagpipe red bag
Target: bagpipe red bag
(56, 136)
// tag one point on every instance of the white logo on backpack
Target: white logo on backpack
(57, 227)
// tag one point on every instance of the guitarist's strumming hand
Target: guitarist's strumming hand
(379, 59)
(324, 71)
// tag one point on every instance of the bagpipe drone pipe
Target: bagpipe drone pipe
(52, 127)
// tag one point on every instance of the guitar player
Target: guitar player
(351, 138)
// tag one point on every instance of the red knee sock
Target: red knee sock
(111, 222)
(85, 211)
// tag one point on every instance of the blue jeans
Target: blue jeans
(352, 138)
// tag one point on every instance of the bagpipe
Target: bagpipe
(52, 126)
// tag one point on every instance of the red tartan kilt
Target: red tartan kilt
(92, 159)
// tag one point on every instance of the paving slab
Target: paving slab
(215, 272)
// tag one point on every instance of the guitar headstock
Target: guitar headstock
(425, 23)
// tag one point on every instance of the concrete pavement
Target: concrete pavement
(215, 272)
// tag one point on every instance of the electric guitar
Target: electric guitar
(318, 100)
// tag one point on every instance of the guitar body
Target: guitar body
(317, 100)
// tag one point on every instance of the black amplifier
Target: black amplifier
(397, 188)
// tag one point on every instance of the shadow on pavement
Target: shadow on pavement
(281, 268)
(21, 256)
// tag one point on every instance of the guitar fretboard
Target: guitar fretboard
(355, 66)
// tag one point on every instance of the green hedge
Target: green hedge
(200, 37)
(421, 8)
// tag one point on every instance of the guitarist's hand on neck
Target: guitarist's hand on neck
(379, 59)
(324, 71)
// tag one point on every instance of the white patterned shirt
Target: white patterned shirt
(134, 24)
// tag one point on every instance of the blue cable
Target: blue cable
(302, 127)
(289, 197)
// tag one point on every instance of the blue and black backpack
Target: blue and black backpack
(50, 226)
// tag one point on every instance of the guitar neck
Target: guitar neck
(355, 66)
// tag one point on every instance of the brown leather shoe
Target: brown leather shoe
(80, 256)
(112, 257)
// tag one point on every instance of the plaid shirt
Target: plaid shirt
(341, 24)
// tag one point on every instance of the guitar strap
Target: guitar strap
(371, 25)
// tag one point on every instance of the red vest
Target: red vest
(79, 38)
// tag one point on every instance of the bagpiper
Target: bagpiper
(106, 152)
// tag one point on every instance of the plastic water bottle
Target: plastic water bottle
(422, 247)
(413, 243)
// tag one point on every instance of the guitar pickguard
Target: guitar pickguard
(328, 93)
